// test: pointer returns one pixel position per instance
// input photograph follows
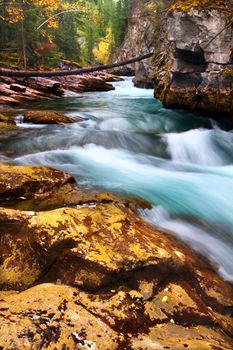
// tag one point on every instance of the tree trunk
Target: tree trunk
(23, 40)
(50, 74)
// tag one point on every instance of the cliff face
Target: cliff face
(139, 40)
(193, 65)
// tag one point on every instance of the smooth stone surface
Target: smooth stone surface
(47, 117)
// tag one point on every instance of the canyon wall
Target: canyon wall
(193, 65)
(139, 39)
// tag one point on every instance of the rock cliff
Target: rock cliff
(139, 40)
(193, 64)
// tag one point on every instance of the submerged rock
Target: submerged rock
(193, 62)
(47, 117)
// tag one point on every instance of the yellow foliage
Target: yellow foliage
(14, 9)
(201, 4)
(103, 52)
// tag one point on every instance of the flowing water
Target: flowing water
(127, 143)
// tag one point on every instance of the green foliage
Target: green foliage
(73, 35)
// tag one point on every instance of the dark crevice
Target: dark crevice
(193, 57)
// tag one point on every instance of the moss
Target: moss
(6, 119)
(227, 71)
(185, 6)
(5, 127)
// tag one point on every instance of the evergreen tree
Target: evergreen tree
(43, 31)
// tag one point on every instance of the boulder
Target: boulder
(46, 85)
(85, 83)
(29, 181)
(47, 117)
(34, 188)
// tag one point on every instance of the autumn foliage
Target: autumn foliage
(44, 32)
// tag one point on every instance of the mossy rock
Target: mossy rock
(6, 119)
(186, 5)
(17, 182)
(7, 124)
(47, 117)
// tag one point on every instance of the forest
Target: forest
(42, 33)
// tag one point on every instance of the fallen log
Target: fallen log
(49, 74)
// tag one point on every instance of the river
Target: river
(128, 143)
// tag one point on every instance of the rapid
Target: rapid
(128, 143)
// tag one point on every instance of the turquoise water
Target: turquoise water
(128, 143)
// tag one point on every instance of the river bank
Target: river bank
(18, 91)
(151, 264)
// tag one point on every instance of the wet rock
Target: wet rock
(38, 188)
(47, 117)
(193, 63)
(121, 309)
(108, 77)
(29, 182)
(68, 194)
(127, 285)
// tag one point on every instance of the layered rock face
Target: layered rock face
(81, 270)
(139, 40)
(193, 67)
(17, 91)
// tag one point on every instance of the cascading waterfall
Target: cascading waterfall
(128, 143)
